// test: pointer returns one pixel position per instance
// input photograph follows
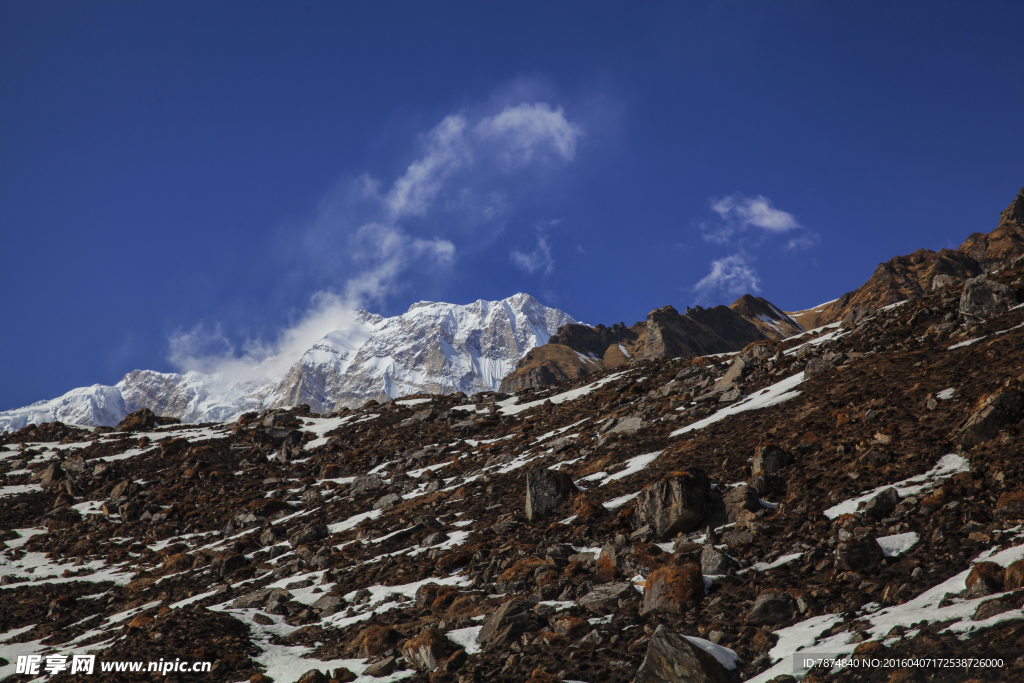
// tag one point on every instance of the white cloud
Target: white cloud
(446, 151)
(374, 239)
(537, 260)
(731, 276)
(540, 259)
(757, 211)
(528, 131)
(515, 137)
(737, 213)
(387, 252)
(803, 241)
(209, 351)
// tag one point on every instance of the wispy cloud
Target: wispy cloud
(373, 237)
(540, 258)
(530, 132)
(757, 211)
(731, 277)
(737, 213)
(748, 225)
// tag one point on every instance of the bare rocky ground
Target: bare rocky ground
(862, 485)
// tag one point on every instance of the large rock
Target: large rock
(772, 607)
(882, 504)
(732, 375)
(309, 534)
(983, 297)
(676, 504)
(366, 482)
(142, 420)
(604, 598)
(254, 599)
(715, 563)
(313, 676)
(506, 624)
(51, 474)
(860, 555)
(985, 578)
(673, 589)
(725, 509)
(546, 492)
(329, 604)
(769, 458)
(376, 640)
(428, 649)
(1014, 576)
(995, 412)
(671, 658)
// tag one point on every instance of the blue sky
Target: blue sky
(185, 179)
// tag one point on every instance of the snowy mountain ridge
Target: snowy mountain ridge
(433, 347)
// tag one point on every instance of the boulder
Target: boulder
(604, 598)
(882, 504)
(329, 604)
(995, 412)
(985, 578)
(366, 482)
(627, 425)
(676, 504)
(673, 589)
(309, 534)
(983, 297)
(51, 474)
(376, 640)
(386, 501)
(733, 502)
(732, 375)
(772, 607)
(859, 555)
(1010, 506)
(670, 658)
(818, 366)
(381, 668)
(428, 649)
(506, 624)
(715, 563)
(769, 458)
(1013, 578)
(546, 492)
(991, 608)
(313, 676)
(143, 419)
(254, 599)
(286, 420)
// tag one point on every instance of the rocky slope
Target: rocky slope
(854, 491)
(433, 347)
(923, 271)
(578, 349)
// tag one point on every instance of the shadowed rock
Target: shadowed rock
(676, 504)
(671, 658)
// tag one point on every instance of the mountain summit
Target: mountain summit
(433, 347)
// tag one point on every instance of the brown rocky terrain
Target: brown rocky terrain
(855, 491)
(913, 275)
(577, 350)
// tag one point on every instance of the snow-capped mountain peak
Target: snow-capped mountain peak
(432, 347)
